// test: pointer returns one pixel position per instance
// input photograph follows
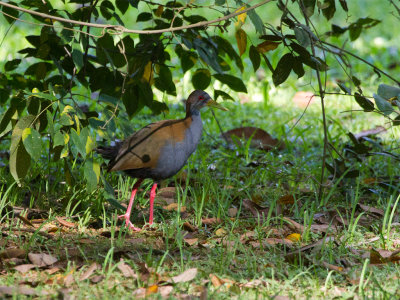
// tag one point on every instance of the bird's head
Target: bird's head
(199, 99)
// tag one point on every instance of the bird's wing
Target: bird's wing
(142, 149)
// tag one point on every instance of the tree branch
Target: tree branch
(121, 29)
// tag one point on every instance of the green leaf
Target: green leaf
(77, 57)
(233, 82)
(344, 88)
(257, 22)
(354, 31)
(144, 16)
(226, 46)
(387, 91)
(19, 157)
(12, 64)
(104, 44)
(132, 102)
(298, 67)
(330, 9)
(254, 57)
(5, 120)
(78, 142)
(383, 105)
(188, 59)
(32, 142)
(106, 9)
(364, 102)
(283, 69)
(42, 95)
(58, 139)
(164, 81)
(302, 36)
(90, 175)
(207, 53)
(122, 5)
(157, 107)
(201, 79)
(309, 6)
(10, 11)
(224, 95)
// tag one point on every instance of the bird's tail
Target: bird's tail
(108, 152)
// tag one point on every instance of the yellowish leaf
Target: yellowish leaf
(96, 169)
(267, 46)
(67, 109)
(66, 138)
(294, 237)
(89, 145)
(241, 39)
(78, 129)
(35, 90)
(152, 289)
(241, 17)
(26, 132)
(220, 232)
(148, 73)
(159, 10)
(64, 152)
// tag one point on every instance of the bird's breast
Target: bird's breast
(175, 152)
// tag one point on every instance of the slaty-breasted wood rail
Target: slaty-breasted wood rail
(158, 150)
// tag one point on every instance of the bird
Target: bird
(159, 150)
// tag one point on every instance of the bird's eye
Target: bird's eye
(201, 98)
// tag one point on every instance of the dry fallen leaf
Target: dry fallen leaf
(189, 227)
(286, 200)
(165, 291)
(97, 278)
(17, 290)
(188, 275)
(65, 223)
(232, 212)
(216, 282)
(24, 268)
(211, 221)
(42, 259)
(259, 138)
(13, 253)
(174, 207)
(166, 195)
(93, 267)
(380, 256)
(191, 242)
(126, 270)
(316, 228)
(139, 293)
(370, 209)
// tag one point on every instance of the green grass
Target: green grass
(219, 178)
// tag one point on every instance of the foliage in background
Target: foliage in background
(84, 84)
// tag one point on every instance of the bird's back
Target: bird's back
(158, 150)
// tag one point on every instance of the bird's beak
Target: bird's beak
(212, 103)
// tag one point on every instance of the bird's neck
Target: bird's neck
(193, 112)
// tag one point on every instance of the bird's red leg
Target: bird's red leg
(152, 196)
(127, 215)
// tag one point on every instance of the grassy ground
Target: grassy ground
(218, 231)
(238, 222)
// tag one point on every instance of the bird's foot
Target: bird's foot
(128, 223)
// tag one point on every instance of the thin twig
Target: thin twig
(121, 29)
(321, 95)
